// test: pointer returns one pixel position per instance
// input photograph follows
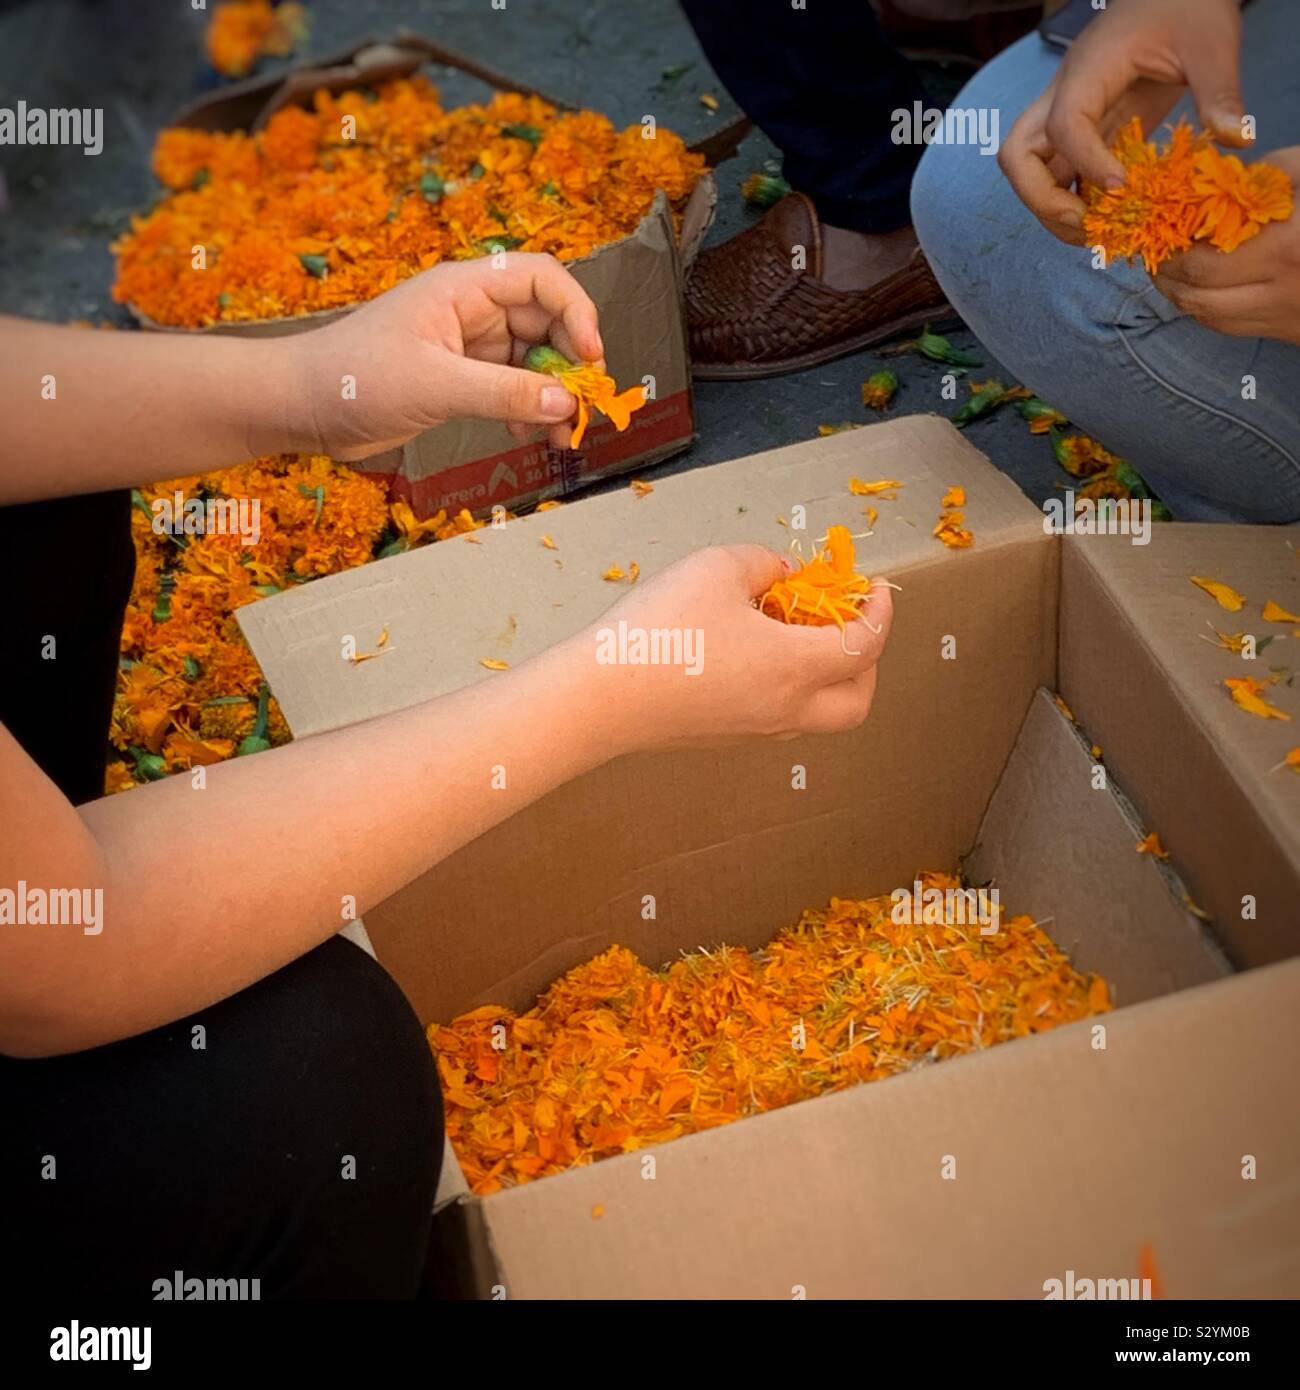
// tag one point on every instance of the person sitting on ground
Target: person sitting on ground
(222, 905)
(834, 267)
(1193, 377)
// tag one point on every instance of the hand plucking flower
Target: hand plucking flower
(451, 342)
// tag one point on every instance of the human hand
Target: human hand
(1253, 292)
(739, 673)
(1135, 59)
(445, 345)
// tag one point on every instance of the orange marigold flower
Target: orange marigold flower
(243, 31)
(1236, 200)
(595, 390)
(1187, 192)
(1082, 457)
(297, 219)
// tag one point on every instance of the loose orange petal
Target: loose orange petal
(1150, 844)
(1248, 694)
(1275, 613)
(950, 530)
(954, 497)
(860, 489)
(1229, 641)
(1222, 594)
(644, 489)
(824, 589)
(493, 663)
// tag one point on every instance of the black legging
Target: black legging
(822, 83)
(300, 1145)
(231, 1161)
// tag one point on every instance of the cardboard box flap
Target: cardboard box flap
(725, 837)
(1058, 842)
(1142, 670)
(501, 594)
(983, 1177)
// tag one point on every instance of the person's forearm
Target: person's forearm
(207, 891)
(86, 411)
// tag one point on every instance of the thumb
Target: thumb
(757, 567)
(1213, 70)
(488, 391)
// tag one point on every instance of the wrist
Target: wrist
(604, 699)
(296, 421)
(281, 413)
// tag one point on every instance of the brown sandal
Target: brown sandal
(752, 314)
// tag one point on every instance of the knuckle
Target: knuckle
(519, 395)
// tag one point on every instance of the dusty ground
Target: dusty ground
(140, 59)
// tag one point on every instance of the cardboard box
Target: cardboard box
(636, 284)
(1069, 1155)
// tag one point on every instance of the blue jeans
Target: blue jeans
(1106, 348)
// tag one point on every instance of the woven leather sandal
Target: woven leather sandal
(752, 314)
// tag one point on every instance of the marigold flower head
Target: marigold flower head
(595, 390)
(878, 389)
(243, 31)
(1188, 191)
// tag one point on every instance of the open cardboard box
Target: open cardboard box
(635, 282)
(1068, 1155)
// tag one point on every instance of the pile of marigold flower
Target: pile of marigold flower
(1189, 191)
(329, 206)
(616, 1056)
(189, 689)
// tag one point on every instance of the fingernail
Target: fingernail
(1115, 182)
(557, 403)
